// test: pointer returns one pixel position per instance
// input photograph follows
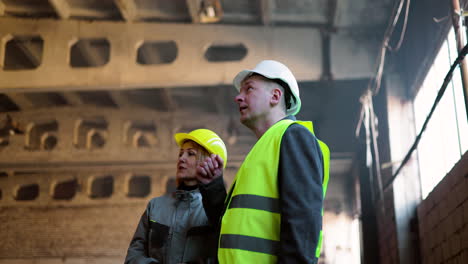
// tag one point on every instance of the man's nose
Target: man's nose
(239, 98)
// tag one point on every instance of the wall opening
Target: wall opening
(23, 53)
(27, 192)
(65, 190)
(102, 187)
(139, 186)
(162, 52)
(93, 52)
(49, 142)
(141, 134)
(97, 140)
(91, 133)
(222, 53)
(43, 136)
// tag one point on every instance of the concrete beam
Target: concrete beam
(194, 8)
(267, 8)
(30, 51)
(61, 7)
(299, 48)
(89, 54)
(21, 101)
(166, 99)
(120, 100)
(72, 98)
(128, 9)
(2, 8)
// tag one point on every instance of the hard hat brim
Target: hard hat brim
(240, 77)
(180, 138)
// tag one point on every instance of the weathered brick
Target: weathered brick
(48, 261)
(452, 200)
(465, 212)
(15, 261)
(464, 256)
(457, 219)
(464, 238)
(446, 250)
(445, 226)
(444, 209)
(438, 255)
(461, 193)
(455, 244)
(440, 235)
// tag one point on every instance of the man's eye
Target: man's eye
(192, 153)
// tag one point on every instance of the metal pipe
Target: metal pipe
(456, 14)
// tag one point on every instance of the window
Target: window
(444, 140)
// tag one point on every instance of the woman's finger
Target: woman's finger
(201, 171)
(207, 169)
(215, 162)
(210, 164)
(220, 161)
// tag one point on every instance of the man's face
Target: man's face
(253, 100)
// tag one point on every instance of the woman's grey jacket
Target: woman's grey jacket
(173, 229)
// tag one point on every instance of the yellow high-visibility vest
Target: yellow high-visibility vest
(250, 227)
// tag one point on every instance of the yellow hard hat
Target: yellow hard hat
(205, 138)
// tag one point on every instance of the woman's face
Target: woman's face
(187, 163)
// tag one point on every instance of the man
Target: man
(273, 212)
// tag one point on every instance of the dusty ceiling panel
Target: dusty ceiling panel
(163, 11)
(91, 9)
(29, 8)
(301, 11)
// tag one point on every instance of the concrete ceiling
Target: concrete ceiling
(332, 61)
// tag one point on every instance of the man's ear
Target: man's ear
(276, 95)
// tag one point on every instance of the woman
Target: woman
(174, 228)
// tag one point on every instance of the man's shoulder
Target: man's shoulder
(298, 129)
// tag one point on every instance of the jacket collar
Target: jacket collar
(184, 195)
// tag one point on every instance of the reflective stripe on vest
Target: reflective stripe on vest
(250, 226)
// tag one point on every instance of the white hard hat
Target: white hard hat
(271, 69)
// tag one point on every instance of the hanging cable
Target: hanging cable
(403, 29)
(441, 92)
(367, 115)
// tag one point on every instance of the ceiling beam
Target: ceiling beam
(128, 9)
(31, 52)
(2, 8)
(299, 48)
(166, 99)
(61, 7)
(72, 98)
(327, 74)
(194, 8)
(120, 100)
(21, 100)
(267, 8)
(93, 57)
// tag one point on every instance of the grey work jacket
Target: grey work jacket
(173, 229)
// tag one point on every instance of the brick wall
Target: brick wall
(388, 242)
(443, 219)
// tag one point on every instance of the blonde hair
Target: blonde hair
(202, 153)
